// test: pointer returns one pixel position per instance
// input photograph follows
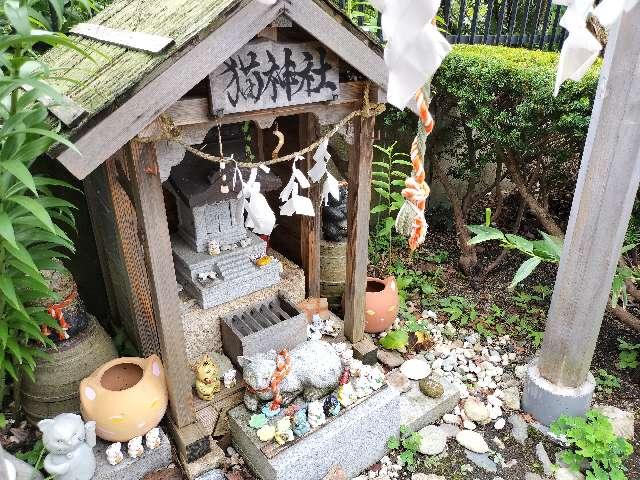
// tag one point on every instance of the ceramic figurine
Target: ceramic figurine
(230, 378)
(345, 353)
(284, 433)
(366, 380)
(213, 248)
(346, 394)
(114, 454)
(207, 378)
(300, 424)
(315, 414)
(331, 406)
(70, 443)
(263, 261)
(126, 397)
(135, 448)
(266, 433)
(152, 439)
(312, 368)
(13, 469)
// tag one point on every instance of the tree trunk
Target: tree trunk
(543, 215)
(468, 256)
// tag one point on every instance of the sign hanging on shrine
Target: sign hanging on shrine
(266, 74)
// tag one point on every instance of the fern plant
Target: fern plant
(31, 216)
(388, 181)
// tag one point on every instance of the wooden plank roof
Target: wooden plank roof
(123, 90)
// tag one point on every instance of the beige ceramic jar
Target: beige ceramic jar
(126, 397)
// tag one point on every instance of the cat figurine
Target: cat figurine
(152, 438)
(135, 447)
(114, 454)
(70, 443)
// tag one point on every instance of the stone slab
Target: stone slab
(355, 439)
(202, 326)
(417, 410)
(130, 468)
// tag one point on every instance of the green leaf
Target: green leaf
(484, 233)
(520, 243)
(524, 271)
(9, 292)
(393, 443)
(378, 209)
(18, 16)
(395, 340)
(35, 208)
(18, 170)
(6, 229)
(383, 193)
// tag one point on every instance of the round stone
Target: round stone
(476, 411)
(433, 440)
(472, 441)
(416, 369)
(389, 358)
(431, 388)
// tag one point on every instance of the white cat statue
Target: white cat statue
(152, 439)
(135, 448)
(70, 443)
(114, 454)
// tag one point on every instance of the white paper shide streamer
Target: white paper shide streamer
(260, 217)
(293, 201)
(330, 186)
(581, 48)
(415, 48)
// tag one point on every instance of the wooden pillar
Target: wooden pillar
(602, 204)
(358, 207)
(311, 227)
(154, 230)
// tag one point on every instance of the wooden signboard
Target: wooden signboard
(266, 74)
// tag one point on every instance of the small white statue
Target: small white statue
(152, 438)
(214, 248)
(135, 448)
(315, 414)
(114, 454)
(284, 433)
(70, 443)
(229, 378)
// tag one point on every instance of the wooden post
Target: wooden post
(358, 207)
(602, 204)
(311, 227)
(152, 221)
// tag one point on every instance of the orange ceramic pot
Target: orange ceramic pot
(126, 397)
(381, 304)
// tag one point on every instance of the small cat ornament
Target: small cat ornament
(70, 443)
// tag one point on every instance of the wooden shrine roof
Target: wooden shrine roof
(122, 90)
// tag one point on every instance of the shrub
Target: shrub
(496, 119)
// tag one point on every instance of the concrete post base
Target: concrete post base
(546, 401)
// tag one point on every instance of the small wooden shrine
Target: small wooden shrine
(218, 76)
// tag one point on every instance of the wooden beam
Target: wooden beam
(175, 79)
(311, 227)
(195, 111)
(358, 205)
(350, 45)
(149, 201)
(603, 200)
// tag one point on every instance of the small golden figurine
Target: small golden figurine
(207, 378)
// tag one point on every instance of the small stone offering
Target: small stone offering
(416, 369)
(431, 388)
(472, 441)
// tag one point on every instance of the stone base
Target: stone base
(130, 468)
(417, 410)
(199, 468)
(546, 401)
(355, 439)
(202, 326)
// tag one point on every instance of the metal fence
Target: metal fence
(515, 23)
